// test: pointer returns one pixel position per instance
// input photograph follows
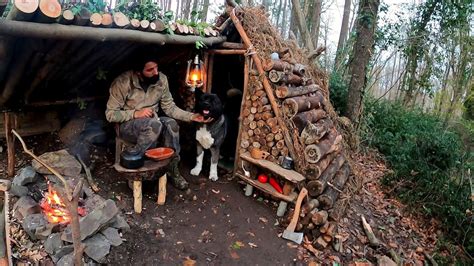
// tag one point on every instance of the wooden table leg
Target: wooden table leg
(162, 190)
(137, 196)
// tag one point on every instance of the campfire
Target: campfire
(54, 208)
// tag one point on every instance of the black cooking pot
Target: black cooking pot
(132, 159)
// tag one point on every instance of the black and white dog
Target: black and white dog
(209, 136)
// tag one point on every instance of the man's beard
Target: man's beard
(151, 80)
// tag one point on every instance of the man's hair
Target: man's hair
(141, 59)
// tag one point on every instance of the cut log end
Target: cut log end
(26, 6)
(50, 8)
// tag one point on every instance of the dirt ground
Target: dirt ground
(215, 224)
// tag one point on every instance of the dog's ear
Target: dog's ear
(197, 93)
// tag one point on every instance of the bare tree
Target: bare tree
(316, 21)
(361, 54)
(343, 32)
(205, 9)
(302, 25)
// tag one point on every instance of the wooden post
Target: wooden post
(268, 88)
(242, 106)
(210, 69)
(206, 66)
(8, 120)
(137, 196)
(162, 190)
(228, 52)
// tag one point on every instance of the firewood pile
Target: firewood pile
(51, 11)
(316, 145)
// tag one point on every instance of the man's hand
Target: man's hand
(200, 119)
(146, 112)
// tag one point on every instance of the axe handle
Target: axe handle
(291, 227)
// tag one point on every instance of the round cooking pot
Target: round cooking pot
(132, 159)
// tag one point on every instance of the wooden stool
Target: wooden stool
(148, 171)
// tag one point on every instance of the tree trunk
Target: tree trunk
(362, 51)
(205, 9)
(302, 25)
(284, 21)
(316, 21)
(343, 32)
(186, 11)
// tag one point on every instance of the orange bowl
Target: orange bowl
(159, 154)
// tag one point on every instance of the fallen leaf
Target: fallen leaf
(189, 262)
(263, 220)
(291, 245)
(252, 245)
(238, 245)
(234, 255)
(222, 199)
(251, 234)
(215, 191)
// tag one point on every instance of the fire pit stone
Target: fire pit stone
(34, 224)
(97, 247)
(27, 175)
(93, 221)
(113, 236)
(120, 223)
(24, 206)
(19, 191)
(61, 161)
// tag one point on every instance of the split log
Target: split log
(292, 106)
(373, 241)
(144, 24)
(301, 120)
(286, 92)
(280, 144)
(309, 206)
(320, 243)
(314, 152)
(50, 9)
(334, 188)
(251, 117)
(270, 137)
(135, 24)
(314, 171)
(306, 220)
(67, 17)
(244, 144)
(287, 78)
(95, 19)
(107, 20)
(23, 10)
(120, 20)
(278, 136)
(318, 186)
(320, 217)
(159, 25)
(267, 115)
(279, 65)
(312, 133)
(260, 123)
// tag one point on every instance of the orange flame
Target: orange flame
(54, 209)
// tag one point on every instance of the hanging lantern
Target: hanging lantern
(194, 73)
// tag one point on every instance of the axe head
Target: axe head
(293, 236)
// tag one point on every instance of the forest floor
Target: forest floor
(215, 224)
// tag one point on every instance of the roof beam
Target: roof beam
(71, 32)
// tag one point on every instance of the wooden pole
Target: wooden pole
(72, 32)
(210, 71)
(161, 190)
(8, 121)
(228, 52)
(242, 106)
(137, 196)
(206, 66)
(267, 87)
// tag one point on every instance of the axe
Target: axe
(289, 232)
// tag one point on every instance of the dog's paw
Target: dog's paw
(213, 177)
(196, 171)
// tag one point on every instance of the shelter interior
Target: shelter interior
(62, 80)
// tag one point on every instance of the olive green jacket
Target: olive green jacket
(127, 96)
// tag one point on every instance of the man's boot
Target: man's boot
(175, 177)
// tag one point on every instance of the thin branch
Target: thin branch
(29, 152)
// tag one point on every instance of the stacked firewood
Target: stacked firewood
(303, 105)
(260, 127)
(50, 11)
